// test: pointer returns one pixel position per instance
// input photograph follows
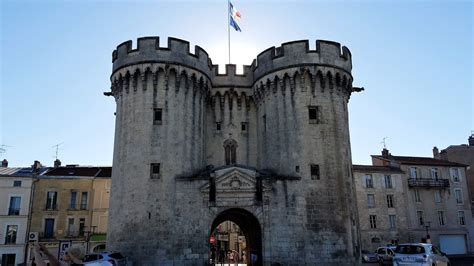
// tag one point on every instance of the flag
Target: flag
(234, 17)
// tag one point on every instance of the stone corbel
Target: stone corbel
(155, 79)
(282, 84)
(126, 84)
(143, 78)
(135, 81)
(292, 85)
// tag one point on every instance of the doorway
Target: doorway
(237, 238)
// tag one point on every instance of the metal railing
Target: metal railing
(51, 207)
(83, 206)
(427, 182)
(43, 235)
(73, 233)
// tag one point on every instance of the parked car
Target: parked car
(420, 254)
(368, 256)
(106, 258)
(385, 254)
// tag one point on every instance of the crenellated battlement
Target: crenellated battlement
(297, 53)
(294, 54)
(149, 51)
(230, 78)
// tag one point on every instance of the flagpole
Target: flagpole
(228, 25)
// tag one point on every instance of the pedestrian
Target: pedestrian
(221, 256)
(72, 257)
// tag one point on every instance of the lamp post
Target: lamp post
(88, 234)
(428, 239)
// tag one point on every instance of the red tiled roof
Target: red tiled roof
(376, 168)
(419, 160)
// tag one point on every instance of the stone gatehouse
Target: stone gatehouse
(268, 149)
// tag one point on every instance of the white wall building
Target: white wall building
(15, 193)
(438, 201)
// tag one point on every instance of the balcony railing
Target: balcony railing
(13, 211)
(427, 182)
(44, 235)
(74, 233)
(83, 206)
(51, 207)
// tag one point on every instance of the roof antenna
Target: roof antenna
(2, 149)
(57, 149)
(384, 142)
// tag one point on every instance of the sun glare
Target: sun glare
(240, 54)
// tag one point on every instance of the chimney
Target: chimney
(57, 163)
(36, 166)
(436, 152)
(4, 163)
(385, 153)
(471, 140)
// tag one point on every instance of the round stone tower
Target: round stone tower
(268, 149)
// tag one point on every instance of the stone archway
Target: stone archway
(250, 227)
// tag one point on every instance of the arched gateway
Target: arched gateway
(251, 229)
(268, 149)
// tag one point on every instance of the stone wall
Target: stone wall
(167, 218)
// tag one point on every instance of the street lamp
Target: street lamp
(88, 234)
(428, 239)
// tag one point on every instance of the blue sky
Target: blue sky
(414, 58)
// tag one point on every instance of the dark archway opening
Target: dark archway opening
(250, 228)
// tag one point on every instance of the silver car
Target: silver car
(419, 254)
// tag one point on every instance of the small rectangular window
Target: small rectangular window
(155, 171)
(70, 227)
(157, 116)
(390, 201)
(15, 203)
(72, 203)
(314, 113)
(371, 200)
(297, 168)
(455, 174)
(393, 221)
(315, 171)
(84, 201)
(419, 215)
(458, 196)
(10, 236)
(373, 221)
(218, 126)
(417, 195)
(437, 196)
(51, 199)
(388, 181)
(413, 172)
(82, 226)
(441, 218)
(434, 173)
(462, 220)
(369, 183)
(244, 126)
(17, 183)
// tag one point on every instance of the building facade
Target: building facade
(382, 205)
(463, 154)
(268, 149)
(65, 211)
(15, 193)
(439, 208)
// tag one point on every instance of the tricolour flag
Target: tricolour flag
(234, 17)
